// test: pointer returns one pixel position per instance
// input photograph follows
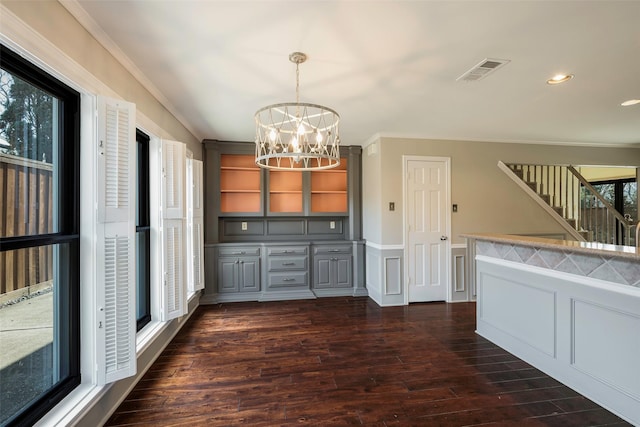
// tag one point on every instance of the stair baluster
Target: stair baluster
(573, 201)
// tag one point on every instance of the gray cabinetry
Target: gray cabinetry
(332, 270)
(300, 231)
(287, 272)
(238, 273)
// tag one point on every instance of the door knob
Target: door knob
(443, 237)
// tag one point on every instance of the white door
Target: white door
(427, 219)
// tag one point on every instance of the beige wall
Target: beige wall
(488, 201)
(56, 24)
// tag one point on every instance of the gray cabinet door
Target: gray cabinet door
(343, 272)
(228, 275)
(249, 269)
(322, 272)
(238, 274)
(332, 272)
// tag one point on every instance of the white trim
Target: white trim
(92, 27)
(372, 139)
(447, 161)
(385, 247)
(458, 246)
(35, 48)
(400, 135)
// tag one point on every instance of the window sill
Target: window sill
(69, 411)
(148, 334)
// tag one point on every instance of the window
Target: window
(39, 240)
(623, 196)
(143, 230)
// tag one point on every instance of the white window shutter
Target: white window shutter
(189, 221)
(174, 224)
(198, 254)
(116, 317)
(197, 190)
(116, 160)
(173, 178)
(174, 274)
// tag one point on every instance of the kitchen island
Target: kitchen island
(571, 309)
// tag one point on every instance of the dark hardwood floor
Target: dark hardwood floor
(346, 361)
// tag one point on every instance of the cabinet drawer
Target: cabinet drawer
(286, 250)
(287, 263)
(287, 280)
(239, 251)
(337, 249)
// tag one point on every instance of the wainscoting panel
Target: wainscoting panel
(525, 312)
(580, 330)
(385, 276)
(392, 276)
(459, 274)
(598, 329)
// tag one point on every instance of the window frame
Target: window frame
(143, 225)
(618, 194)
(68, 234)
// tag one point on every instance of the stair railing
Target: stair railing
(534, 179)
(600, 217)
(572, 197)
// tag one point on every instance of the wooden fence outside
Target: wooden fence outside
(26, 197)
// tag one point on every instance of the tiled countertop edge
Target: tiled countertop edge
(628, 252)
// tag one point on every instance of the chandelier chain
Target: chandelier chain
(297, 84)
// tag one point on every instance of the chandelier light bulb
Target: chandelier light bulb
(272, 135)
(318, 137)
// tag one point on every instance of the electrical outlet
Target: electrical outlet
(392, 206)
(244, 226)
(455, 207)
(332, 225)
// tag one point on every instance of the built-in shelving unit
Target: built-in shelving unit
(329, 189)
(239, 184)
(275, 234)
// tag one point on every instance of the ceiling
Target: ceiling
(387, 67)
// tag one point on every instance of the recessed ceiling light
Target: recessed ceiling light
(559, 78)
(630, 102)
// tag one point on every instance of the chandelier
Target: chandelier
(298, 135)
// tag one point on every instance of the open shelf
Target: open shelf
(285, 192)
(239, 184)
(329, 189)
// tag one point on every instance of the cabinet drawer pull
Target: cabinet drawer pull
(239, 253)
(334, 250)
(288, 263)
(288, 279)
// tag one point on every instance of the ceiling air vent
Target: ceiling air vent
(483, 69)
